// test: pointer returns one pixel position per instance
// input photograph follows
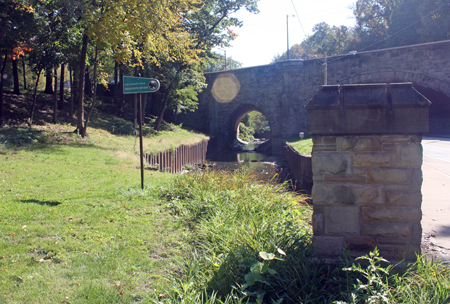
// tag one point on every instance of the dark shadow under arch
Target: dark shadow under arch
(439, 111)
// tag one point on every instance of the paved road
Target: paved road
(436, 197)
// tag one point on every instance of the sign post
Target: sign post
(138, 85)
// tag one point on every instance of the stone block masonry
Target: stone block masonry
(367, 181)
(368, 195)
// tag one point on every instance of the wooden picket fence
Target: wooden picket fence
(175, 160)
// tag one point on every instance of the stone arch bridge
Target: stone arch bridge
(281, 90)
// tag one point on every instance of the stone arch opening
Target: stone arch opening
(235, 124)
(438, 111)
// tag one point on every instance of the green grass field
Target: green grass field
(75, 226)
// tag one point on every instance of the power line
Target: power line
(414, 23)
(396, 33)
(298, 17)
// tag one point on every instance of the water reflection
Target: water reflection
(265, 167)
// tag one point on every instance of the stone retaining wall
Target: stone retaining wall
(301, 167)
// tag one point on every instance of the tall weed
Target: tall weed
(235, 219)
(251, 244)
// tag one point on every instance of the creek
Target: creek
(265, 167)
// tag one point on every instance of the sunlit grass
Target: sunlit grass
(75, 226)
(302, 146)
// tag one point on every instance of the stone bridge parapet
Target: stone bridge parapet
(281, 90)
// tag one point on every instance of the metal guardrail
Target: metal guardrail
(175, 160)
(301, 168)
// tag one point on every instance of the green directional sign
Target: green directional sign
(133, 85)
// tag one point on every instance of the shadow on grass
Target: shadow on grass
(42, 203)
(45, 141)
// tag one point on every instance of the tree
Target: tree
(372, 18)
(404, 24)
(16, 28)
(258, 121)
(184, 94)
(49, 47)
(151, 28)
(435, 20)
(325, 40)
(379, 23)
(209, 25)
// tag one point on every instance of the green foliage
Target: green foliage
(252, 123)
(325, 39)
(17, 24)
(257, 121)
(206, 26)
(375, 288)
(387, 23)
(236, 222)
(246, 133)
(18, 137)
(379, 24)
(187, 85)
(435, 20)
(252, 244)
(425, 281)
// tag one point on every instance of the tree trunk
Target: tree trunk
(71, 91)
(94, 97)
(176, 114)
(34, 98)
(144, 104)
(76, 84)
(116, 82)
(16, 76)
(87, 82)
(121, 102)
(1, 89)
(166, 100)
(24, 75)
(161, 114)
(55, 99)
(61, 88)
(48, 82)
(80, 122)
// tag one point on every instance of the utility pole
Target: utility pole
(325, 66)
(287, 30)
(225, 60)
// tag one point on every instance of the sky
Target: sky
(264, 35)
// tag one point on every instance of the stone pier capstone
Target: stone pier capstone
(366, 161)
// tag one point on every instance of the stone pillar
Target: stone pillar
(366, 162)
